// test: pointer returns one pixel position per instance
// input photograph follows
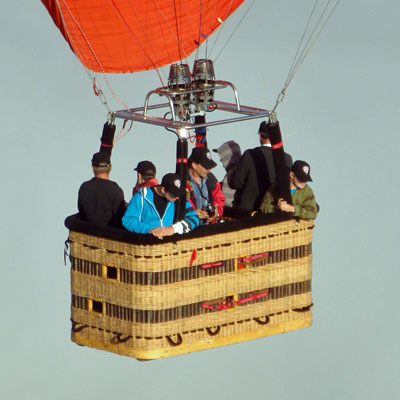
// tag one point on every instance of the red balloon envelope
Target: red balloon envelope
(136, 35)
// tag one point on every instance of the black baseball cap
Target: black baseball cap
(101, 159)
(302, 171)
(202, 156)
(146, 168)
(173, 185)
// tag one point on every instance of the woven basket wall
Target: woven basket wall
(173, 298)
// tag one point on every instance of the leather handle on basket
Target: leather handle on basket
(261, 322)
(120, 339)
(178, 342)
(213, 333)
(303, 309)
(76, 328)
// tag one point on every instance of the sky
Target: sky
(339, 114)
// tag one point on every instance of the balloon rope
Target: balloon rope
(177, 32)
(91, 75)
(175, 35)
(137, 41)
(70, 38)
(304, 49)
(188, 21)
(237, 27)
(100, 93)
(210, 26)
(200, 22)
(204, 34)
(222, 22)
(121, 133)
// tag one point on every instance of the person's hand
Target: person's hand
(284, 206)
(210, 219)
(202, 214)
(162, 232)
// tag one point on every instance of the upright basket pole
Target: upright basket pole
(183, 172)
(278, 153)
(107, 138)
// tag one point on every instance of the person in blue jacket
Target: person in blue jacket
(151, 209)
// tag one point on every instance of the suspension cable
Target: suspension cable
(210, 26)
(237, 27)
(188, 20)
(134, 37)
(200, 22)
(305, 46)
(100, 93)
(222, 23)
(96, 87)
(121, 133)
(173, 33)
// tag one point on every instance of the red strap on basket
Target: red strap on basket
(251, 298)
(225, 306)
(244, 261)
(210, 265)
(193, 257)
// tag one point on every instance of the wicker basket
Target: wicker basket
(170, 298)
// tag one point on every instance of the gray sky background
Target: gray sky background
(340, 114)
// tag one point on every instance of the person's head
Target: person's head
(263, 133)
(171, 187)
(101, 163)
(146, 170)
(300, 174)
(229, 153)
(201, 162)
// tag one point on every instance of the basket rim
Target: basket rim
(76, 224)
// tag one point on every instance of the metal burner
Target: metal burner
(203, 84)
(179, 85)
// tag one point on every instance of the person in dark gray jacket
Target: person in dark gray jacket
(255, 173)
(100, 200)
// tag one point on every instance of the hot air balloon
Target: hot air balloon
(220, 284)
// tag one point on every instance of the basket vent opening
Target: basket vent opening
(97, 306)
(111, 272)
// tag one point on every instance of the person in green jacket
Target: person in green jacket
(304, 204)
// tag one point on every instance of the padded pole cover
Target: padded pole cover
(278, 153)
(107, 138)
(183, 172)
(201, 139)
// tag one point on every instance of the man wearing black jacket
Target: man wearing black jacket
(255, 173)
(101, 200)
